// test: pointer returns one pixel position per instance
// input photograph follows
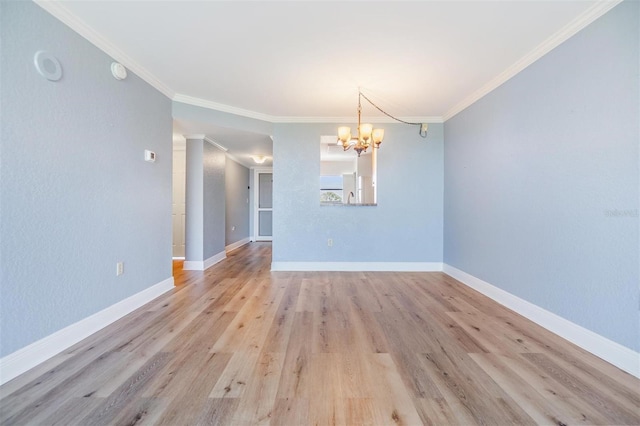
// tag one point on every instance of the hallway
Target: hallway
(238, 344)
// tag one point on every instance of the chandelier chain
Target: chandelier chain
(386, 113)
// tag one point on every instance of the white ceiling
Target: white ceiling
(302, 60)
(331, 151)
(241, 145)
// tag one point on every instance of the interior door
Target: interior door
(264, 206)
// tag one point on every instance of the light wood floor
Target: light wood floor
(238, 344)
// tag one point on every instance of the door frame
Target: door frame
(256, 204)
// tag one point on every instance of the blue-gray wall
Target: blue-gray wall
(76, 193)
(541, 181)
(237, 202)
(405, 226)
(204, 200)
(194, 200)
(182, 111)
(214, 201)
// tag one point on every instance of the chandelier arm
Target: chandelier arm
(391, 116)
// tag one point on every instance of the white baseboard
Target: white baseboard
(201, 265)
(30, 356)
(358, 266)
(237, 244)
(622, 357)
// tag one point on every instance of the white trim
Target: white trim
(216, 144)
(196, 136)
(178, 258)
(37, 352)
(569, 30)
(246, 164)
(231, 247)
(60, 12)
(358, 266)
(256, 203)
(203, 137)
(191, 100)
(214, 259)
(610, 351)
(203, 265)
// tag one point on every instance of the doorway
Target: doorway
(178, 202)
(263, 204)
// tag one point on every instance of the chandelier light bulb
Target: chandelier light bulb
(344, 134)
(365, 131)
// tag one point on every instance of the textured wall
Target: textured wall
(406, 226)
(205, 200)
(237, 202)
(76, 193)
(214, 201)
(541, 181)
(194, 200)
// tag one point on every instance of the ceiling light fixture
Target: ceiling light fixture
(259, 159)
(366, 133)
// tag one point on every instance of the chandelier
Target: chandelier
(366, 134)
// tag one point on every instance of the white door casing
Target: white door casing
(263, 207)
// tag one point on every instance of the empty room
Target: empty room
(319, 212)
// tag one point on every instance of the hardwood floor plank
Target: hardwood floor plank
(239, 344)
(112, 406)
(199, 374)
(539, 408)
(71, 412)
(393, 399)
(278, 335)
(19, 408)
(218, 412)
(368, 335)
(256, 407)
(362, 411)
(609, 407)
(141, 411)
(438, 412)
(290, 411)
(233, 380)
(297, 362)
(473, 389)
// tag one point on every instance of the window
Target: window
(331, 189)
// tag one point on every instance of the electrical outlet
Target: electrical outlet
(330, 242)
(119, 268)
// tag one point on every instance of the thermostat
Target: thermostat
(149, 156)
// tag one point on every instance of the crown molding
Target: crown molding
(246, 164)
(191, 100)
(196, 136)
(353, 120)
(216, 144)
(584, 19)
(58, 11)
(203, 137)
